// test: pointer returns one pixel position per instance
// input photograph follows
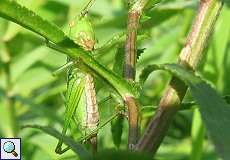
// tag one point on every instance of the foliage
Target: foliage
(215, 118)
(26, 67)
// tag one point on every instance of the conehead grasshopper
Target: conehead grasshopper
(81, 103)
(80, 94)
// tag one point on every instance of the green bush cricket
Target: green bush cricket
(81, 96)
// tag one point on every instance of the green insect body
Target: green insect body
(87, 113)
(75, 89)
(81, 103)
(82, 33)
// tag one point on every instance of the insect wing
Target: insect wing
(75, 88)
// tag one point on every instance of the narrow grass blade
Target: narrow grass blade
(76, 147)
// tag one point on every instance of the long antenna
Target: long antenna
(86, 8)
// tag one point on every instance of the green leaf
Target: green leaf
(28, 19)
(116, 129)
(198, 134)
(214, 110)
(76, 147)
(14, 29)
(26, 61)
(118, 66)
(30, 80)
(121, 155)
(140, 52)
(144, 18)
(151, 3)
(145, 74)
(227, 2)
(227, 99)
(165, 11)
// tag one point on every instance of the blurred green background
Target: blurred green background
(29, 94)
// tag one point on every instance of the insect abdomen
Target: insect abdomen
(92, 116)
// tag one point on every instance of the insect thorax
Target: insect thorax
(82, 33)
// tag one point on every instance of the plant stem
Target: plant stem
(134, 15)
(190, 56)
(130, 69)
(133, 118)
(130, 45)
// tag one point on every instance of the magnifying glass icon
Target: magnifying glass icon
(9, 147)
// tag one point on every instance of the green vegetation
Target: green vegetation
(126, 47)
